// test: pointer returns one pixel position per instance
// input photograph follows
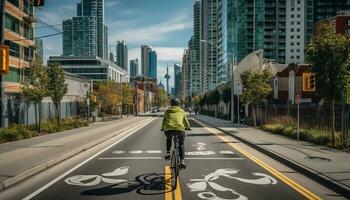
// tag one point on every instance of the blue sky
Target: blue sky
(166, 25)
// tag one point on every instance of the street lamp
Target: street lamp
(232, 76)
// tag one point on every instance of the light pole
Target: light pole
(233, 65)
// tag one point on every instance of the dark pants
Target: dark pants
(181, 136)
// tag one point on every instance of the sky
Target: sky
(166, 25)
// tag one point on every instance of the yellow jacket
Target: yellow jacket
(175, 120)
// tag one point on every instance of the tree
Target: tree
(36, 89)
(214, 99)
(57, 87)
(226, 97)
(162, 97)
(329, 57)
(108, 96)
(127, 96)
(256, 87)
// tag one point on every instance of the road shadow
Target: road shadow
(145, 184)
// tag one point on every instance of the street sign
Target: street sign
(238, 89)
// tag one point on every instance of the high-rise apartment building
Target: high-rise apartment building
(39, 49)
(145, 49)
(177, 79)
(208, 52)
(134, 68)
(195, 51)
(86, 34)
(153, 64)
(324, 9)
(19, 36)
(122, 54)
(111, 57)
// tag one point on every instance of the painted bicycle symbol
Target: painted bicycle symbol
(207, 185)
(144, 184)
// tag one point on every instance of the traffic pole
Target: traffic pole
(2, 38)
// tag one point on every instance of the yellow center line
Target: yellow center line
(168, 187)
(305, 192)
(178, 195)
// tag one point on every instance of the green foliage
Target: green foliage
(37, 89)
(15, 132)
(108, 95)
(57, 87)
(329, 57)
(214, 97)
(162, 97)
(256, 86)
(226, 94)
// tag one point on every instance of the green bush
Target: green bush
(15, 132)
(310, 135)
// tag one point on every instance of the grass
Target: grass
(18, 132)
(315, 136)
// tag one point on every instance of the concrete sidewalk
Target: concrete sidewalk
(327, 166)
(22, 159)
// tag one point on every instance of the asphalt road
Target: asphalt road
(133, 168)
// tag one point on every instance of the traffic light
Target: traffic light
(309, 82)
(4, 59)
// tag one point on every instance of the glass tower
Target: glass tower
(122, 54)
(153, 64)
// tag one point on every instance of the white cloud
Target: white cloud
(147, 34)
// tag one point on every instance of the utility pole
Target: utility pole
(2, 38)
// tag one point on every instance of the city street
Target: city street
(132, 167)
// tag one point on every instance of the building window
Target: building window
(14, 48)
(292, 50)
(292, 16)
(348, 22)
(292, 44)
(292, 22)
(28, 31)
(11, 23)
(28, 54)
(14, 2)
(292, 29)
(28, 7)
(298, 36)
(298, 50)
(298, 22)
(298, 57)
(13, 75)
(298, 9)
(292, 57)
(292, 37)
(347, 31)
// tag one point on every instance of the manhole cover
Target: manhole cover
(317, 159)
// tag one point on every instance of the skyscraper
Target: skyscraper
(208, 32)
(122, 54)
(86, 34)
(177, 79)
(145, 49)
(111, 57)
(134, 68)
(153, 64)
(195, 51)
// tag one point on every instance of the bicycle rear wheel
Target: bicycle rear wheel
(174, 169)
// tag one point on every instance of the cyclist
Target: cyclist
(175, 122)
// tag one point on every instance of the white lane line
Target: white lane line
(227, 152)
(136, 152)
(199, 158)
(131, 158)
(38, 191)
(200, 153)
(153, 151)
(118, 152)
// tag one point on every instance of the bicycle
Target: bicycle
(175, 164)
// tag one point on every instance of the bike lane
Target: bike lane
(130, 169)
(217, 171)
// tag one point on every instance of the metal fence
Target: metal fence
(20, 112)
(311, 116)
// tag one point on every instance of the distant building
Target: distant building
(134, 68)
(172, 91)
(340, 22)
(153, 64)
(86, 34)
(145, 49)
(177, 79)
(122, 54)
(161, 85)
(39, 49)
(324, 9)
(111, 57)
(91, 67)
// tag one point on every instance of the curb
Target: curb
(5, 184)
(316, 176)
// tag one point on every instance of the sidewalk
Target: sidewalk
(325, 165)
(22, 159)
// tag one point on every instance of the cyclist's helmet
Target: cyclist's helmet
(174, 102)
